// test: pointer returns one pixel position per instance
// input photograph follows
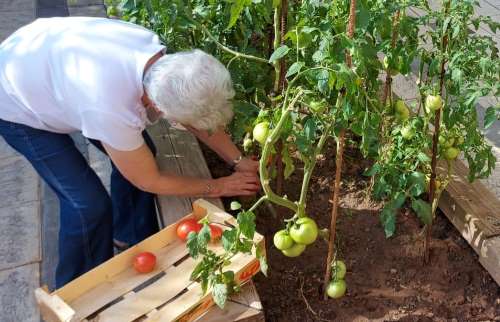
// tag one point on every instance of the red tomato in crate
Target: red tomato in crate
(187, 226)
(144, 262)
(215, 232)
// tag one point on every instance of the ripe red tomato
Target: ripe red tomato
(215, 232)
(187, 226)
(144, 262)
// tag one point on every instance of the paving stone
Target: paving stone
(101, 165)
(16, 5)
(84, 3)
(19, 235)
(50, 233)
(17, 299)
(10, 21)
(6, 151)
(88, 11)
(19, 182)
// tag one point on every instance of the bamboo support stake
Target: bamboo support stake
(435, 143)
(338, 163)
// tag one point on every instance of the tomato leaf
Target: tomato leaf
(235, 205)
(219, 294)
(262, 260)
(203, 237)
(294, 69)
(279, 53)
(192, 245)
(423, 210)
(228, 239)
(490, 117)
(388, 220)
(236, 9)
(246, 222)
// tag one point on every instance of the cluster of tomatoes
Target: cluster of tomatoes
(145, 262)
(187, 226)
(337, 286)
(293, 240)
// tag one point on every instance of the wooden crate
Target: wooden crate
(114, 291)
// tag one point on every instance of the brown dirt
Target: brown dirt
(386, 278)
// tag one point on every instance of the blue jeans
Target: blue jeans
(89, 217)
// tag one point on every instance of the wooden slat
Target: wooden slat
(190, 158)
(475, 212)
(248, 296)
(170, 207)
(233, 312)
(138, 304)
(126, 281)
(52, 308)
(178, 152)
(472, 199)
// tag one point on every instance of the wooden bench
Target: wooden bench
(475, 211)
(178, 152)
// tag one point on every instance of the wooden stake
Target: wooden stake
(435, 143)
(338, 168)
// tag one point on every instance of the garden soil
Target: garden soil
(386, 279)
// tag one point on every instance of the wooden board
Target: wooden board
(475, 212)
(178, 152)
(244, 306)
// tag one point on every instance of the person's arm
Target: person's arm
(220, 142)
(139, 167)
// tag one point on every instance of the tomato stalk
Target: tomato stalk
(266, 151)
(308, 170)
(229, 50)
(388, 77)
(435, 143)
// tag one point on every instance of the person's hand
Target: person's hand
(247, 165)
(237, 184)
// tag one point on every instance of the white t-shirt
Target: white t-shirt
(78, 74)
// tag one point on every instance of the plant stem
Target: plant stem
(308, 170)
(435, 143)
(388, 77)
(255, 205)
(229, 50)
(264, 172)
(338, 164)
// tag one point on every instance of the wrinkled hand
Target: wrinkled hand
(237, 184)
(247, 165)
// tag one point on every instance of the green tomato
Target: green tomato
(336, 289)
(339, 270)
(304, 231)
(260, 132)
(407, 132)
(433, 103)
(451, 153)
(401, 110)
(294, 251)
(460, 140)
(282, 240)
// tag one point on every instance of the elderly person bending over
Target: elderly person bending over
(105, 78)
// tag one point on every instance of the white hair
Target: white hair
(191, 88)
